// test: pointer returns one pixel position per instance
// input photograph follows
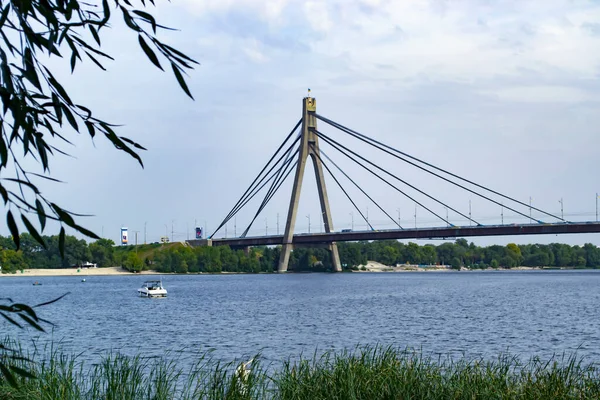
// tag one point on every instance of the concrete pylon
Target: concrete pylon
(309, 146)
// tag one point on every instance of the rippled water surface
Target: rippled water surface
(475, 313)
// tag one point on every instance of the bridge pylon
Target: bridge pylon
(309, 146)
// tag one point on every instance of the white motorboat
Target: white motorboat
(152, 289)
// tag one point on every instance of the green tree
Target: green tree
(102, 252)
(134, 263)
(455, 263)
(12, 261)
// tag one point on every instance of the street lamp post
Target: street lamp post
(398, 209)
(415, 216)
(530, 219)
(470, 220)
(308, 216)
(352, 218)
(562, 215)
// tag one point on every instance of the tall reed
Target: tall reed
(363, 373)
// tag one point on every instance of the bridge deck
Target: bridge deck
(418, 233)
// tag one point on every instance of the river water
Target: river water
(527, 313)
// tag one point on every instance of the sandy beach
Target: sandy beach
(74, 272)
(374, 266)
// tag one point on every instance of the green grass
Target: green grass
(365, 373)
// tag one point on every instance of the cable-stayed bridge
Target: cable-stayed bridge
(303, 142)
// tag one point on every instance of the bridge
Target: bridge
(292, 155)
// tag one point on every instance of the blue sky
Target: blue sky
(502, 92)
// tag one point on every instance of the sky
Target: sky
(504, 93)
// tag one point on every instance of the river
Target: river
(528, 313)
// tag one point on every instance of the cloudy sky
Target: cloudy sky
(503, 92)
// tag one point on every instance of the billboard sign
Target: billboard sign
(124, 239)
(198, 233)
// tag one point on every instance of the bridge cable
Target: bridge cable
(341, 187)
(252, 186)
(359, 188)
(266, 201)
(383, 179)
(275, 175)
(368, 140)
(265, 167)
(401, 180)
(258, 189)
(274, 187)
(248, 191)
(270, 197)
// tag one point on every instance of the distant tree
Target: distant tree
(134, 263)
(455, 263)
(102, 252)
(12, 261)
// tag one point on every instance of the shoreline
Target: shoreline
(371, 268)
(77, 272)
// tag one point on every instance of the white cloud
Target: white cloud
(252, 50)
(427, 40)
(544, 94)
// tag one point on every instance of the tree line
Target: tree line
(178, 258)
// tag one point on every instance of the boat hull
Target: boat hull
(152, 292)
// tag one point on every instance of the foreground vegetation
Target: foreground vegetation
(366, 373)
(175, 257)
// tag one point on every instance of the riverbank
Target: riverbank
(373, 266)
(77, 272)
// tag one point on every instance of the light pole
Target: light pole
(136, 232)
(367, 216)
(398, 209)
(235, 227)
(308, 216)
(166, 232)
(596, 207)
(278, 223)
(447, 220)
(172, 222)
(415, 216)
(352, 218)
(266, 227)
(530, 219)
(502, 213)
(470, 220)
(144, 232)
(562, 215)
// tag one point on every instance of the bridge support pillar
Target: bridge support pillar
(309, 146)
